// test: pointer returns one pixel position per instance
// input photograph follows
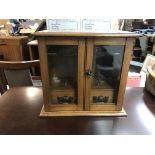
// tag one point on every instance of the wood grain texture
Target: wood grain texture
(84, 92)
(59, 107)
(87, 34)
(88, 79)
(34, 54)
(14, 48)
(62, 41)
(80, 74)
(109, 41)
(45, 73)
(44, 70)
(124, 73)
(89, 92)
(18, 64)
(44, 113)
(31, 58)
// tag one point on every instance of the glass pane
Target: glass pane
(62, 66)
(107, 64)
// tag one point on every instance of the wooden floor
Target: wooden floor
(20, 109)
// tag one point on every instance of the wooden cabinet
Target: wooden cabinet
(84, 74)
(14, 48)
(34, 55)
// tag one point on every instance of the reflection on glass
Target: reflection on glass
(107, 63)
(62, 66)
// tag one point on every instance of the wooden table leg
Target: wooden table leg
(31, 58)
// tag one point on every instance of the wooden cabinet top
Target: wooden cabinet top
(87, 34)
(13, 37)
(13, 40)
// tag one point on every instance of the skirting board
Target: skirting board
(43, 113)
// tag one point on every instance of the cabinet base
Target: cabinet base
(44, 113)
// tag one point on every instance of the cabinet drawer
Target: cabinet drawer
(56, 94)
(9, 42)
(11, 52)
(108, 93)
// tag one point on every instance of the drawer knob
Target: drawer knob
(100, 99)
(65, 99)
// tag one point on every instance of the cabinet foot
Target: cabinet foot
(44, 113)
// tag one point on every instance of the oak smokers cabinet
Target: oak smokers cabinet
(84, 74)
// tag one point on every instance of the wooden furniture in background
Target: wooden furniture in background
(137, 51)
(1, 87)
(84, 74)
(153, 49)
(3, 83)
(150, 80)
(152, 39)
(20, 108)
(14, 48)
(33, 49)
(17, 72)
(34, 55)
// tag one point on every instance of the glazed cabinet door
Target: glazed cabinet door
(106, 72)
(62, 72)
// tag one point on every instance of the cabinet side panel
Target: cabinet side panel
(44, 69)
(124, 73)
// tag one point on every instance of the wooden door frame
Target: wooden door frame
(128, 43)
(42, 43)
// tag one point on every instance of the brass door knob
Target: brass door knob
(88, 73)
